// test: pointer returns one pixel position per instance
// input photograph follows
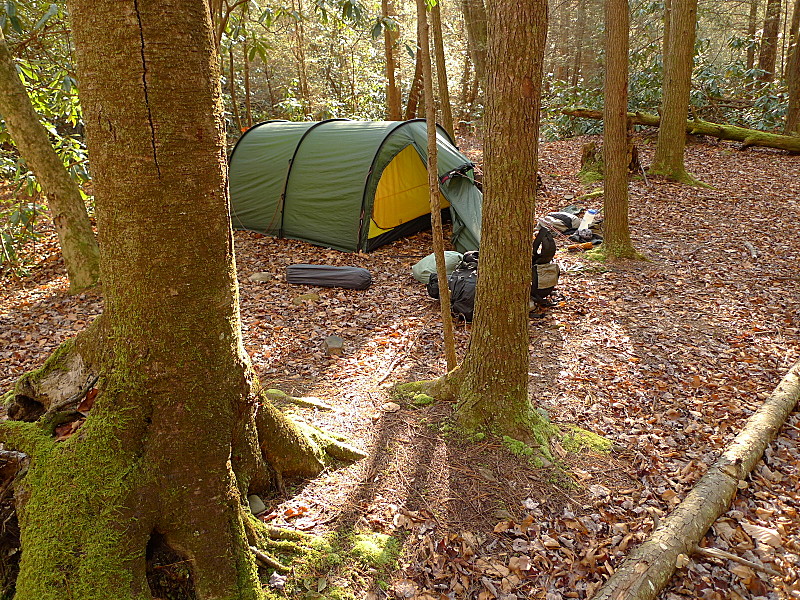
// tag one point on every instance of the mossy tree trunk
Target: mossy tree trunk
(172, 443)
(491, 385)
(67, 209)
(616, 139)
(668, 158)
(748, 137)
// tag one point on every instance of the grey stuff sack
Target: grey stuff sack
(423, 269)
(354, 278)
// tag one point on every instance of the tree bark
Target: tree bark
(668, 157)
(650, 566)
(475, 23)
(172, 445)
(441, 70)
(792, 126)
(67, 209)
(491, 386)
(390, 37)
(748, 137)
(769, 41)
(433, 184)
(616, 139)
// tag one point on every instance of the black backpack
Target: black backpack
(462, 284)
(544, 250)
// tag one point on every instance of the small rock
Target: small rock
(257, 505)
(298, 300)
(260, 277)
(390, 407)
(334, 345)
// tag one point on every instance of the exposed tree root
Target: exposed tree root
(650, 566)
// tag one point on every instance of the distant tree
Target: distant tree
(616, 139)
(390, 36)
(769, 41)
(752, 23)
(580, 34)
(174, 441)
(475, 25)
(491, 385)
(793, 74)
(678, 61)
(67, 208)
(441, 69)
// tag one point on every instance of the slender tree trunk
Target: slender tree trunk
(433, 185)
(441, 70)
(67, 209)
(390, 36)
(752, 22)
(300, 56)
(491, 385)
(616, 140)
(769, 41)
(475, 23)
(580, 33)
(793, 74)
(668, 158)
(171, 445)
(237, 119)
(246, 56)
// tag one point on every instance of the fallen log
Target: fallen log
(648, 569)
(748, 137)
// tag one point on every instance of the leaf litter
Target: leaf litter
(667, 358)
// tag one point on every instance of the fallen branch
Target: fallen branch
(748, 137)
(722, 555)
(650, 566)
(269, 562)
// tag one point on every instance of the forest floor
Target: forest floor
(665, 357)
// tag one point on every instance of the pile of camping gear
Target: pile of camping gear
(462, 269)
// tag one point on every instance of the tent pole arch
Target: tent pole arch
(282, 203)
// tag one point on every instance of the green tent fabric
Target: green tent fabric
(348, 185)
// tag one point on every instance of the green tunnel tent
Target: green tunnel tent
(348, 185)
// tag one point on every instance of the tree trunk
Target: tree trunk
(390, 37)
(649, 567)
(441, 70)
(248, 110)
(580, 32)
(616, 139)
(415, 90)
(171, 445)
(300, 56)
(475, 23)
(668, 158)
(792, 126)
(433, 185)
(665, 42)
(752, 21)
(491, 386)
(67, 209)
(748, 137)
(769, 41)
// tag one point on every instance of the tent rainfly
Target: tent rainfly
(348, 185)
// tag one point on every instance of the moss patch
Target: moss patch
(412, 389)
(576, 439)
(420, 400)
(376, 550)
